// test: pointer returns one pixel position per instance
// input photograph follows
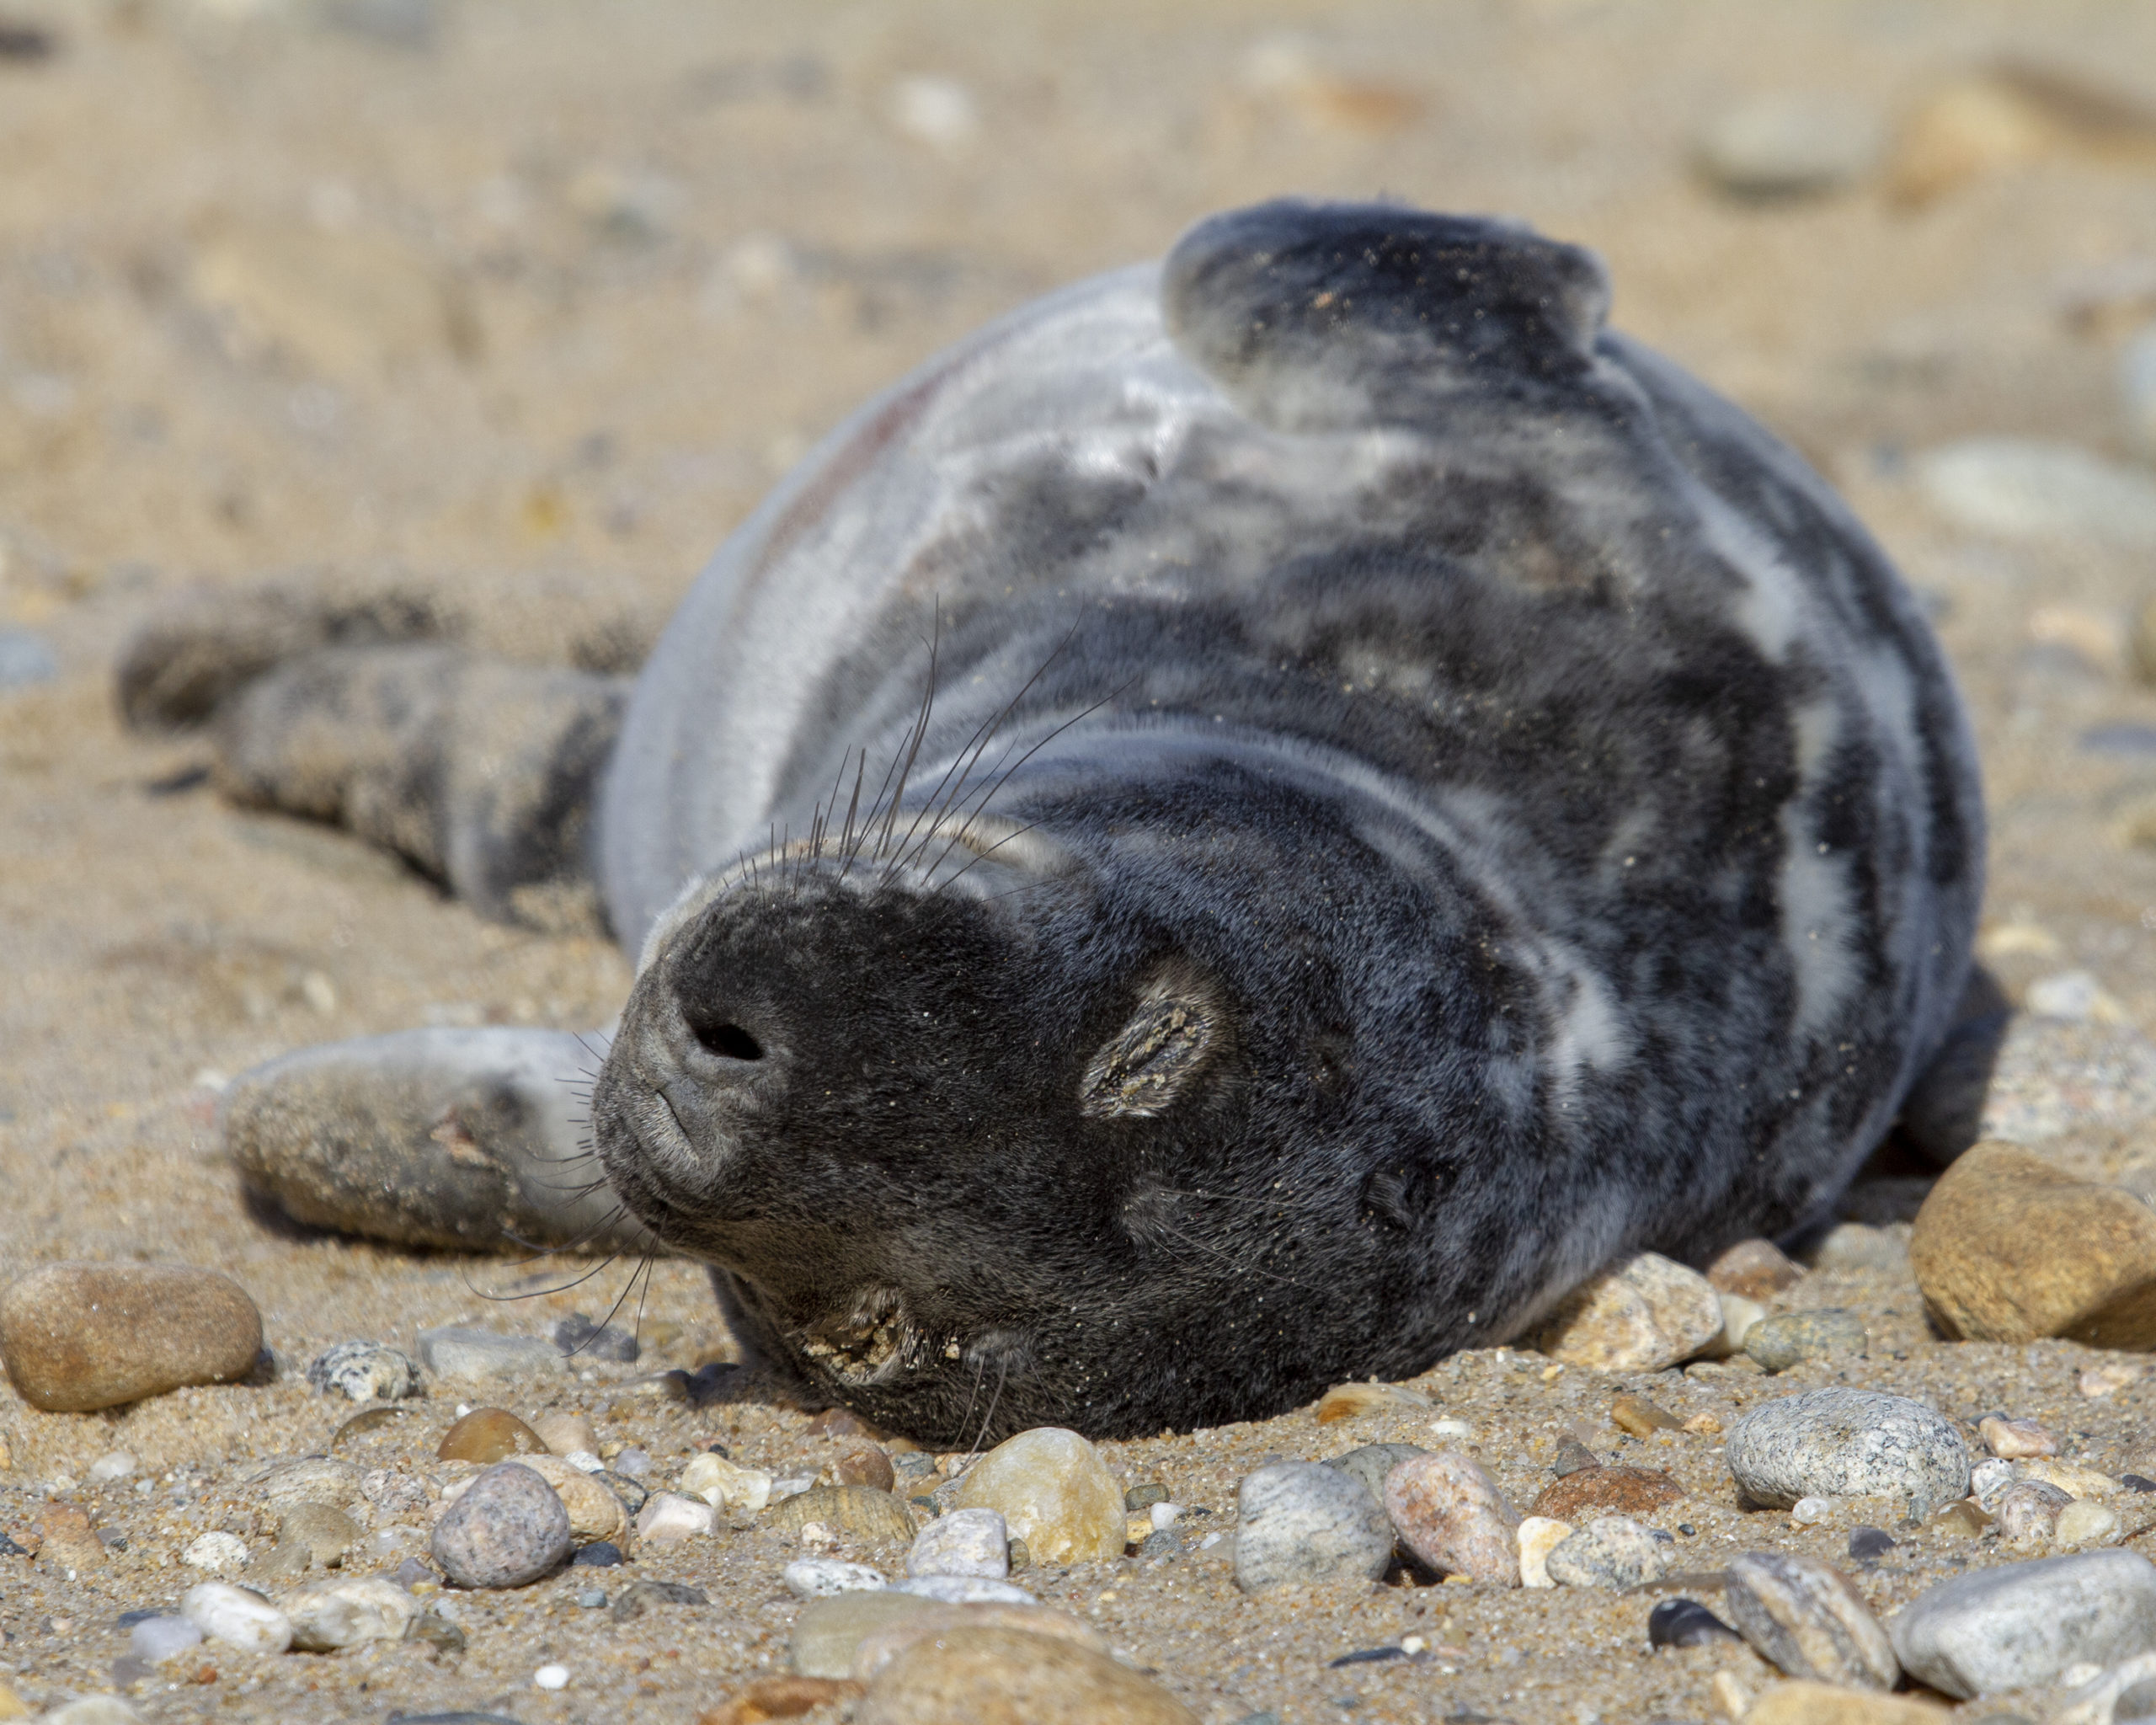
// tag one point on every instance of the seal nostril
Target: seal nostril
(731, 1042)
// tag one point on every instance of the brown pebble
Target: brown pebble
(1346, 1401)
(1606, 1491)
(566, 1434)
(867, 1466)
(840, 1423)
(856, 1513)
(1756, 1269)
(1960, 1521)
(489, 1434)
(779, 1698)
(1455, 1517)
(78, 1336)
(2010, 1247)
(326, 1532)
(880, 1647)
(1008, 1677)
(68, 1539)
(1638, 1416)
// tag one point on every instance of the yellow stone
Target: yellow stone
(1054, 1492)
(595, 1512)
(1826, 1704)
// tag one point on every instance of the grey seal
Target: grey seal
(1249, 826)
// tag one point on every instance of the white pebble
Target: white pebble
(236, 1617)
(820, 1577)
(1165, 1514)
(966, 1590)
(2086, 1523)
(583, 1462)
(726, 1485)
(935, 110)
(964, 1542)
(551, 1677)
(219, 1553)
(1459, 1431)
(1809, 1512)
(666, 1515)
(156, 1639)
(118, 1465)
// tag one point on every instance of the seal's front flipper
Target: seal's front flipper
(1325, 316)
(468, 1139)
(481, 772)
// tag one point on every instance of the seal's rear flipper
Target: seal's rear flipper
(480, 772)
(1325, 317)
(474, 1140)
(1944, 1111)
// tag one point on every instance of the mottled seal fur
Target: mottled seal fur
(1419, 797)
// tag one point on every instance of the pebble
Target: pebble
(2022, 1625)
(828, 1630)
(2010, 1247)
(1641, 1417)
(1455, 1517)
(114, 1464)
(1686, 1623)
(1841, 1443)
(2125, 1691)
(508, 1528)
(1301, 1522)
(1610, 1490)
(2099, 1383)
(2069, 1476)
(768, 1698)
(1808, 1618)
(584, 1341)
(2016, 1440)
(365, 1371)
(725, 1485)
(869, 1468)
(551, 1677)
(1754, 1269)
(487, 1435)
(156, 1639)
(236, 1617)
(312, 1479)
(1788, 1337)
(1868, 1545)
(1013, 1677)
(92, 1710)
(1790, 145)
(880, 1646)
(344, 1611)
(667, 1516)
(1346, 1401)
(600, 1554)
(2027, 1512)
(1738, 1315)
(1054, 1492)
(1802, 1703)
(1369, 1464)
(24, 660)
(1860, 1246)
(964, 1542)
(78, 1336)
(2012, 488)
(453, 1351)
(851, 1513)
(594, 1512)
(2137, 394)
(1538, 1537)
(1645, 1314)
(1611, 1552)
(283, 1565)
(2086, 1523)
(326, 1532)
(825, 1578)
(215, 1553)
(564, 1433)
(965, 1590)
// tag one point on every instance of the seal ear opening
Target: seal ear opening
(1328, 316)
(1179, 1026)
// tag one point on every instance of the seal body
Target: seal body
(1255, 822)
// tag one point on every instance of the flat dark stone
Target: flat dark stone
(1868, 1544)
(2136, 1483)
(1686, 1623)
(1367, 1656)
(128, 1620)
(600, 1554)
(578, 1336)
